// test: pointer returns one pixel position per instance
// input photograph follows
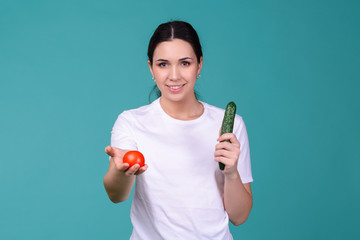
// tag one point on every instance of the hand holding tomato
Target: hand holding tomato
(124, 164)
(134, 157)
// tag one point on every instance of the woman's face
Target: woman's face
(175, 68)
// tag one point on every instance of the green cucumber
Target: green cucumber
(227, 125)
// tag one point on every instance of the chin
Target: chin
(175, 97)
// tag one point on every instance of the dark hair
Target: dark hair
(169, 31)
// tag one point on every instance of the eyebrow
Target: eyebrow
(161, 60)
(181, 59)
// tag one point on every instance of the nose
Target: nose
(174, 74)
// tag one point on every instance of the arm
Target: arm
(119, 180)
(237, 199)
(237, 196)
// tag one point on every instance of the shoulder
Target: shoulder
(216, 112)
(213, 111)
(139, 113)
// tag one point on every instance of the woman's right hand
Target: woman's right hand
(117, 155)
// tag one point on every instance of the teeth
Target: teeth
(175, 87)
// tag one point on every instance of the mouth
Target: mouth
(175, 88)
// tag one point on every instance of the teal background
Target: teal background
(68, 68)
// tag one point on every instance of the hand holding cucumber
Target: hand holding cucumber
(228, 150)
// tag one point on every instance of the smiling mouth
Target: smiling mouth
(175, 87)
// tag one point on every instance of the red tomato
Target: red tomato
(133, 157)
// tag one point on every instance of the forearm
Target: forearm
(237, 200)
(118, 185)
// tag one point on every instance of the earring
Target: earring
(153, 79)
(198, 76)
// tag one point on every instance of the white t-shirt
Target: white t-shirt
(180, 196)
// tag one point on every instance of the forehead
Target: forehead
(176, 49)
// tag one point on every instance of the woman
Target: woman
(180, 193)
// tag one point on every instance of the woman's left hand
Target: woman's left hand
(228, 153)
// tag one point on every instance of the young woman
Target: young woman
(180, 193)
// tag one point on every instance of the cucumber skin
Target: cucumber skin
(227, 125)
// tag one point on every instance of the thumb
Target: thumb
(113, 151)
(110, 151)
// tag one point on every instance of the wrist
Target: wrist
(233, 176)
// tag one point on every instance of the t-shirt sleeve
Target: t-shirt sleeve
(122, 135)
(244, 164)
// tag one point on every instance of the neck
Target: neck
(183, 110)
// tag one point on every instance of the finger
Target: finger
(115, 152)
(112, 151)
(229, 136)
(224, 145)
(132, 170)
(108, 150)
(119, 164)
(124, 167)
(227, 162)
(224, 153)
(223, 160)
(231, 157)
(142, 169)
(232, 147)
(227, 150)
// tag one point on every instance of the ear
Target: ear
(150, 67)
(200, 65)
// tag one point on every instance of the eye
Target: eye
(162, 64)
(185, 63)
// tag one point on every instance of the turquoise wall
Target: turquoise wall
(68, 68)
